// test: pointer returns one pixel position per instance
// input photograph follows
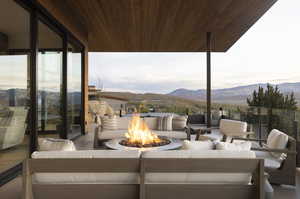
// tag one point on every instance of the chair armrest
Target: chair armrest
(275, 150)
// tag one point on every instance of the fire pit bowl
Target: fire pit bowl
(167, 144)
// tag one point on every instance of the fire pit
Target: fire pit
(139, 136)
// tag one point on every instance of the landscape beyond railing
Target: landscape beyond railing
(262, 120)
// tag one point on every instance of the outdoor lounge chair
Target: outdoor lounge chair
(13, 127)
(281, 167)
(233, 129)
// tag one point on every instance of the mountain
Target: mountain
(235, 95)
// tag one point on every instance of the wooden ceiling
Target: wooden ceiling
(165, 25)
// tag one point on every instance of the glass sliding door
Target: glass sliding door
(49, 81)
(14, 85)
(74, 94)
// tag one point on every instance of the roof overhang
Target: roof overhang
(165, 25)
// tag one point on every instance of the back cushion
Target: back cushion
(164, 123)
(277, 140)
(109, 123)
(123, 122)
(179, 122)
(151, 122)
(236, 146)
(232, 127)
(198, 178)
(52, 144)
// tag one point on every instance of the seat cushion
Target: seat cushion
(235, 146)
(205, 178)
(198, 145)
(270, 161)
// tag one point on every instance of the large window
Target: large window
(14, 84)
(74, 94)
(49, 79)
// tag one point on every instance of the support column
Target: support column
(208, 78)
(33, 121)
(64, 129)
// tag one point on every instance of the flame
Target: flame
(139, 132)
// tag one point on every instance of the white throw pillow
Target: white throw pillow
(52, 144)
(277, 140)
(236, 146)
(197, 145)
(179, 122)
(164, 123)
(109, 123)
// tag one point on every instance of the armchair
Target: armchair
(233, 129)
(279, 153)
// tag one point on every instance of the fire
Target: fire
(139, 133)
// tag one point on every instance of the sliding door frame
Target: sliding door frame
(38, 12)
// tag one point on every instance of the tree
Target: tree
(271, 98)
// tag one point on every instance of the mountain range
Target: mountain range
(235, 95)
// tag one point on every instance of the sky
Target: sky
(267, 53)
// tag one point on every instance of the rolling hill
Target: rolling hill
(235, 95)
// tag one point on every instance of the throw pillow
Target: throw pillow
(164, 123)
(52, 144)
(179, 122)
(197, 145)
(277, 140)
(109, 123)
(236, 146)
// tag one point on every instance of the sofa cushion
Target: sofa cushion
(88, 178)
(270, 161)
(198, 145)
(52, 144)
(179, 122)
(205, 178)
(123, 122)
(277, 140)
(164, 123)
(86, 154)
(109, 123)
(151, 122)
(100, 178)
(232, 127)
(235, 146)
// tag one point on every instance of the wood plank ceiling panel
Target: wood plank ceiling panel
(166, 25)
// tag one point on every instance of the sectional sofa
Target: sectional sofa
(173, 174)
(102, 135)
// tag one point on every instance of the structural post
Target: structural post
(64, 129)
(33, 122)
(208, 78)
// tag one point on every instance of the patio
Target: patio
(58, 35)
(13, 189)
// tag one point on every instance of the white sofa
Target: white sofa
(125, 174)
(102, 135)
